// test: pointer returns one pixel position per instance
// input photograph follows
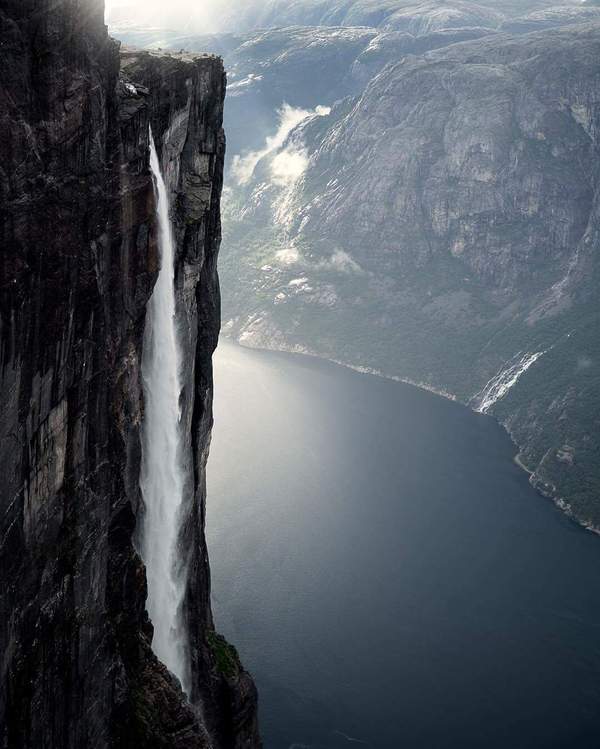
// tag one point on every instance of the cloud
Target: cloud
(289, 165)
(342, 262)
(244, 166)
(287, 256)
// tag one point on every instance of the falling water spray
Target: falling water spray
(163, 474)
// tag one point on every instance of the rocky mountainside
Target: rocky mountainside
(425, 205)
(79, 261)
(414, 16)
(441, 226)
(315, 62)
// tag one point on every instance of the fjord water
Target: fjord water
(386, 571)
(163, 474)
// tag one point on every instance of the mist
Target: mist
(289, 117)
(199, 16)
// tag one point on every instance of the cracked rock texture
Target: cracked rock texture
(79, 260)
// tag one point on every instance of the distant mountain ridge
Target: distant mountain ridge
(416, 16)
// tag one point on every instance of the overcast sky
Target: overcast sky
(206, 15)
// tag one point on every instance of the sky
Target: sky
(206, 15)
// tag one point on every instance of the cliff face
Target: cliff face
(78, 264)
(185, 96)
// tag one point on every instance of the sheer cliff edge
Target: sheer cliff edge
(78, 264)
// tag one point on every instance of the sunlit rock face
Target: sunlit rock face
(79, 262)
(553, 17)
(463, 148)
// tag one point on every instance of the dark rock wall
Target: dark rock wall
(78, 263)
(186, 101)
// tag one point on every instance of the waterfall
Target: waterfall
(508, 376)
(163, 474)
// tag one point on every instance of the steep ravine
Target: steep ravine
(78, 264)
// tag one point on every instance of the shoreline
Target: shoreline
(517, 459)
(354, 367)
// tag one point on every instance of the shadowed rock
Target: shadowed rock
(78, 264)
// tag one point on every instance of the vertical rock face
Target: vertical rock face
(185, 96)
(77, 267)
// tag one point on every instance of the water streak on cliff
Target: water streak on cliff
(163, 472)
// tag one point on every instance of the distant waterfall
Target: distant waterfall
(163, 474)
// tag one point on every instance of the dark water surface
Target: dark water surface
(386, 571)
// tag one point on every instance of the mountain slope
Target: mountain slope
(443, 228)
